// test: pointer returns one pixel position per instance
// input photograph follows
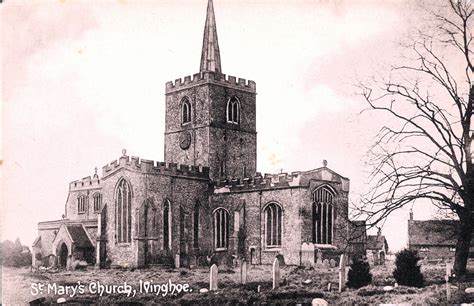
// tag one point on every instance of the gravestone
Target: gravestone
(276, 273)
(448, 285)
(319, 257)
(332, 263)
(307, 254)
(342, 273)
(243, 272)
(176, 261)
(319, 302)
(325, 263)
(213, 278)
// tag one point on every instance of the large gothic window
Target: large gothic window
(123, 212)
(273, 220)
(233, 110)
(185, 111)
(167, 225)
(81, 204)
(221, 228)
(323, 216)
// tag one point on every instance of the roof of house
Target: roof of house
(376, 242)
(432, 232)
(79, 236)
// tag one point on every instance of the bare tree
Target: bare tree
(424, 151)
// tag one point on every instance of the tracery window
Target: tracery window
(123, 212)
(273, 221)
(233, 110)
(323, 216)
(221, 228)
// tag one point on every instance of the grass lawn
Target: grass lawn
(17, 286)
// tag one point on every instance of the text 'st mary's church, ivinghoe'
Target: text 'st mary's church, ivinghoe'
(206, 199)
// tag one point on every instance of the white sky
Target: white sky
(84, 79)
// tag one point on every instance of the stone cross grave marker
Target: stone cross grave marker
(213, 278)
(276, 273)
(243, 272)
(307, 254)
(342, 273)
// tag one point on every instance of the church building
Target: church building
(206, 200)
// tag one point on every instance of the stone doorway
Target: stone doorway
(63, 255)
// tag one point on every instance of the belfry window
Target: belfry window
(323, 216)
(167, 225)
(123, 212)
(221, 228)
(81, 204)
(273, 220)
(185, 111)
(97, 198)
(233, 110)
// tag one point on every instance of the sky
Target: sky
(82, 80)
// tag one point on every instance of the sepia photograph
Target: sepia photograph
(226, 152)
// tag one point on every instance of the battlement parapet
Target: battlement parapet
(85, 183)
(258, 182)
(210, 77)
(150, 166)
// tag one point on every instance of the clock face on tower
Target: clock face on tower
(185, 140)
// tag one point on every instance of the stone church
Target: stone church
(206, 201)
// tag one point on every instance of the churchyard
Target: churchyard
(297, 285)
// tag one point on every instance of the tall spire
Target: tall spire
(210, 56)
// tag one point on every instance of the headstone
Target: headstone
(176, 261)
(342, 273)
(388, 288)
(307, 255)
(61, 300)
(332, 263)
(448, 286)
(469, 290)
(325, 263)
(329, 287)
(307, 282)
(213, 278)
(319, 257)
(276, 273)
(319, 302)
(258, 288)
(203, 290)
(243, 272)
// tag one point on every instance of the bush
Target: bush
(407, 271)
(359, 273)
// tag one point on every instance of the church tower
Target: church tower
(210, 118)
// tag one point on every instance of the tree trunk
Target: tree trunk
(463, 244)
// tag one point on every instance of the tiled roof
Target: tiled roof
(375, 242)
(432, 232)
(79, 236)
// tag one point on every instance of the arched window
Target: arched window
(167, 225)
(81, 204)
(221, 228)
(185, 111)
(273, 220)
(233, 110)
(97, 199)
(323, 216)
(123, 212)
